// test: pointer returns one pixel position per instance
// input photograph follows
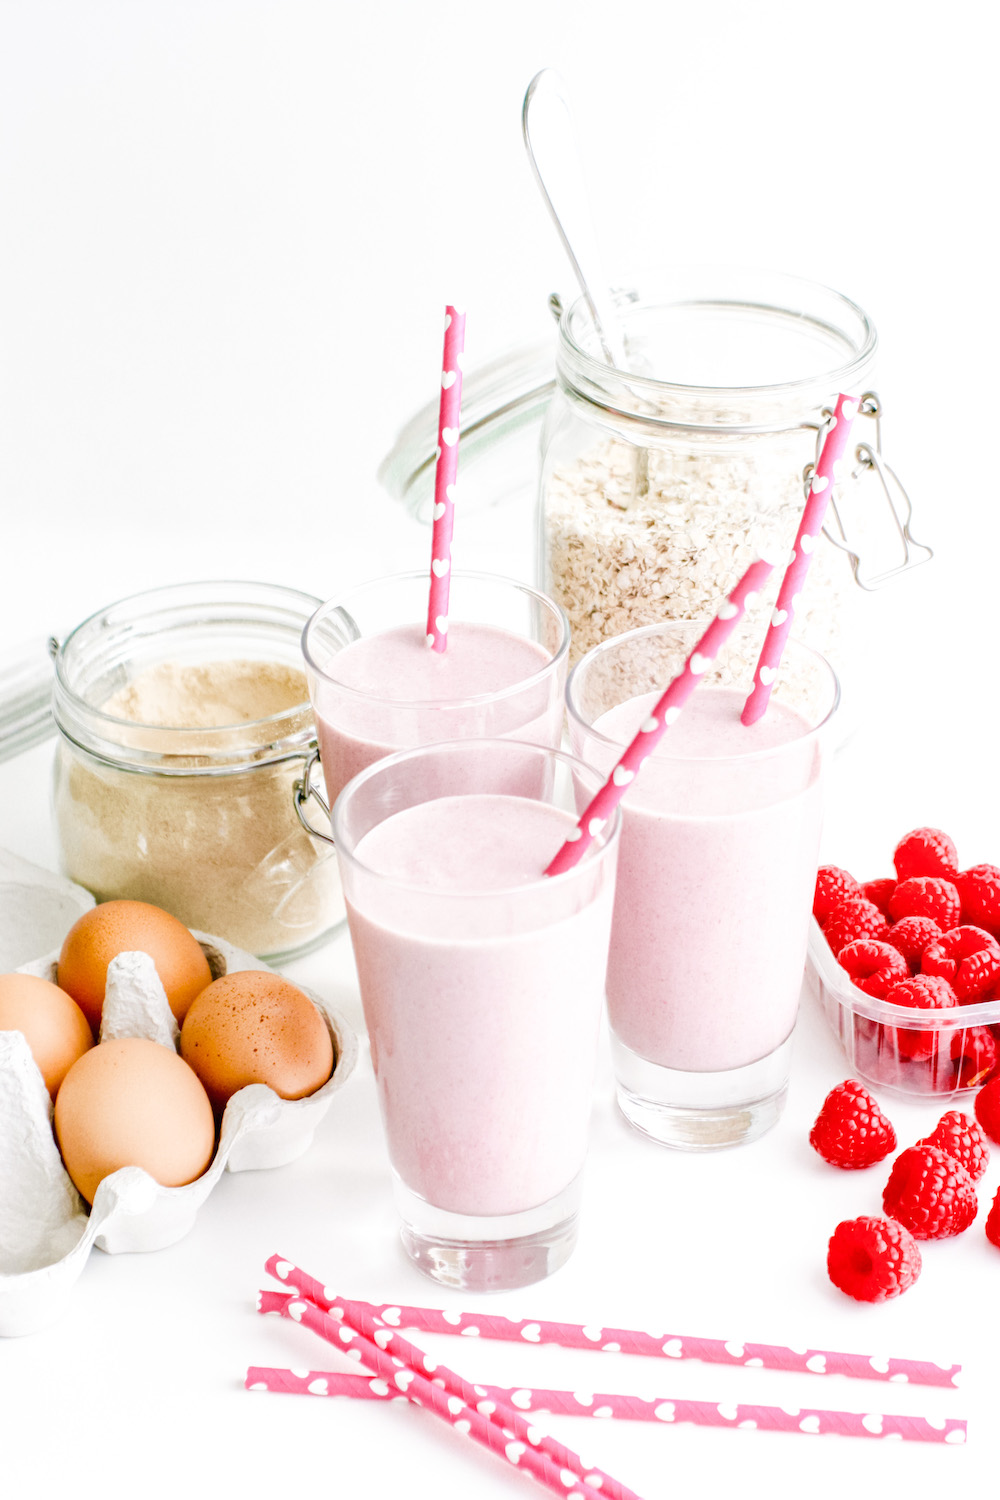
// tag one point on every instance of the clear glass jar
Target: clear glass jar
(196, 817)
(658, 484)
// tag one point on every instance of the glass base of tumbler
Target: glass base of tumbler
(488, 1253)
(701, 1111)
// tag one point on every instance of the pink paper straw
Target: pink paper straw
(669, 1410)
(444, 478)
(398, 1375)
(358, 1315)
(806, 539)
(657, 1344)
(656, 724)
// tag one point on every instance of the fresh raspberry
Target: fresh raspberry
(962, 1139)
(879, 892)
(974, 1050)
(988, 1108)
(993, 1222)
(967, 957)
(930, 1192)
(872, 1259)
(926, 851)
(850, 1129)
(979, 891)
(833, 885)
(923, 896)
(873, 967)
(852, 919)
(924, 992)
(911, 936)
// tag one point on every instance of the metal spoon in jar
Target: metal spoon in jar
(550, 140)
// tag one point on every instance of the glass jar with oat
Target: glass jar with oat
(658, 482)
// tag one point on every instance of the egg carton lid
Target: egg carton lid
(44, 1248)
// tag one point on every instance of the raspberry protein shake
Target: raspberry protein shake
(482, 986)
(717, 866)
(377, 687)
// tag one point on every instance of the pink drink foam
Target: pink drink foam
(392, 692)
(716, 869)
(483, 1014)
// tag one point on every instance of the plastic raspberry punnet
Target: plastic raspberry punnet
(987, 1108)
(962, 1139)
(872, 1259)
(833, 885)
(968, 957)
(979, 891)
(852, 919)
(911, 936)
(926, 851)
(850, 1130)
(879, 893)
(930, 1192)
(924, 896)
(873, 967)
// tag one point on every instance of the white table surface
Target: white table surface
(230, 231)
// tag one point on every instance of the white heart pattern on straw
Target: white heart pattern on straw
(595, 825)
(439, 510)
(807, 543)
(521, 1399)
(816, 1363)
(872, 1422)
(440, 566)
(442, 624)
(650, 725)
(318, 1387)
(282, 1269)
(673, 1348)
(767, 675)
(383, 1337)
(819, 483)
(621, 776)
(699, 665)
(671, 715)
(809, 1424)
(594, 1334)
(449, 436)
(665, 1411)
(392, 1315)
(779, 617)
(728, 610)
(532, 1332)
(448, 378)
(403, 1378)
(455, 1405)
(486, 1408)
(463, 1425)
(514, 1452)
(378, 1387)
(850, 410)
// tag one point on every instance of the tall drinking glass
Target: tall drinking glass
(482, 981)
(719, 849)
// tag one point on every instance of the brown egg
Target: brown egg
(53, 1025)
(133, 1103)
(254, 1027)
(116, 927)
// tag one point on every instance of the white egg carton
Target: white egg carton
(45, 1242)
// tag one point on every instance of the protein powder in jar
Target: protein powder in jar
(184, 722)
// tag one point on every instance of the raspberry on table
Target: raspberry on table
(873, 967)
(993, 1222)
(879, 892)
(833, 885)
(911, 936)
(850, 1129)
(979, 892)
(967, 957)
(987, 1108)
(924, 992)
(930, 1192)
(926, 896)
(962, 1138)
(872, 1259)
(852, 919)
(974, 1050)
(926, 851)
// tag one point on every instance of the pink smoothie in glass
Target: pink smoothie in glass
(482, 993)
(716, 870)
(390, 691)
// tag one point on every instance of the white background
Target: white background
(229, 230)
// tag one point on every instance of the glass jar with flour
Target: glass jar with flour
(184, 721)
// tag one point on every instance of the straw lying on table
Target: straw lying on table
(661, 716)
(662, 1409)
(659, 1344)
(445, 475)
(531, 1452)
(806, 539)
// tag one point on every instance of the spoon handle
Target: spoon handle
(550, 139)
